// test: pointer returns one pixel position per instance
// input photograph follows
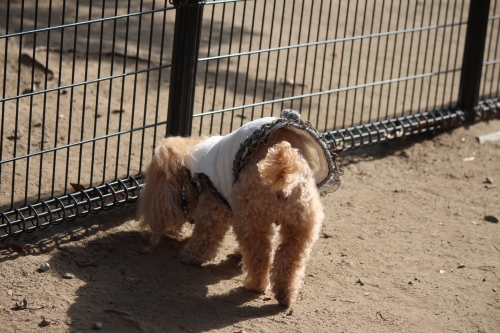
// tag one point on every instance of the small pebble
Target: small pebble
(461, 265)
(22, 304)
(491, 218)
(410, 282)
(97, 325)
(289, 313)
(361, 281)
(68, 276)
(489, 180)
(45, 266)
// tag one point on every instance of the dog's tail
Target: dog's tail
(160, 202)
(279, 168)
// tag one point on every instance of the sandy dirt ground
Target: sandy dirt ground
(408, 221)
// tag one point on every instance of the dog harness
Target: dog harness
(216, 162)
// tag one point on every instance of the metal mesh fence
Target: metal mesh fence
(85, 85)
(341, 63)
(83, 98)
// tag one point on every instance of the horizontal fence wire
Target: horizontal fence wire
(85, 85)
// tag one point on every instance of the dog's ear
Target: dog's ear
(160, 200)
(169, 155)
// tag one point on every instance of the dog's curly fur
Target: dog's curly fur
(276, 187)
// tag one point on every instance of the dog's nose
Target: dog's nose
(281, 197)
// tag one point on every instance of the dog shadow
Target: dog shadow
(130, 292)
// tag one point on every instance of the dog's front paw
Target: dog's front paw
(286, 297)
(256, 285)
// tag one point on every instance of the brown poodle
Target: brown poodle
(275, 188)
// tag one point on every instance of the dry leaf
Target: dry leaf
(16, 248)
(77, 187)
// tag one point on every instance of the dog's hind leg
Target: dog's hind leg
(297, 236)
(212, 221)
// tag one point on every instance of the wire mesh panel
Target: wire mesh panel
(340, 63)
(84, 89)
(85, 85)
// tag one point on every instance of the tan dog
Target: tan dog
(276, 187)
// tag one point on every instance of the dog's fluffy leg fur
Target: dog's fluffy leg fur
(277, 187)
(297, 236)
(212, 221)
(160, 200)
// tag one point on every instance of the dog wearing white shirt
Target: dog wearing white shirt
(261, 179)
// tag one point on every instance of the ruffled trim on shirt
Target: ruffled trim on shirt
(290, 118)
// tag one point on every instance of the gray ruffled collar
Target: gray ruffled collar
(291, 119)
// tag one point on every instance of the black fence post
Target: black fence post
(188, 20)
(472, 64)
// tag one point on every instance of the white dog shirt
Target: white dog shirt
(221, 158)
